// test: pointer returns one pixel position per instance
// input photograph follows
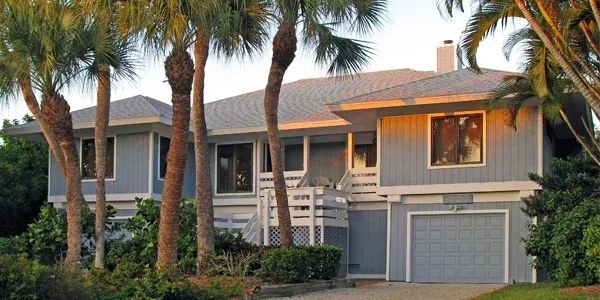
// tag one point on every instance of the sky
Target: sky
(408, 40)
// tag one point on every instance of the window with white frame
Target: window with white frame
(88, 158)
(457, 139)
(163, 149)
(235, 165)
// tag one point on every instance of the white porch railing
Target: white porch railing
(364, 184)
(309, 206)
(293, 179)
(232, 221)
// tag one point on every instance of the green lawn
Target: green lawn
(545, 291)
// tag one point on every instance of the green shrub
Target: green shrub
(46, 239)
(591, 242)
(238, 265)
(229, 241)
(565, 209)
(285, 265)
(143, 246)
(324, 261)
(21, 278)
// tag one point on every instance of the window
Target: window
(457, 140)
(163, 150)
(88, 158)
(365, 156)
(235, 168)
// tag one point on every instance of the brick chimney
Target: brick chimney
(447, 61)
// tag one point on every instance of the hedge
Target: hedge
(300, 263)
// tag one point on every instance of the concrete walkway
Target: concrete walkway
(402, 290)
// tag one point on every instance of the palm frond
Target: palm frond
(343, 56)
(484, 21)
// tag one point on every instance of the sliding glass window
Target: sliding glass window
(235, 168)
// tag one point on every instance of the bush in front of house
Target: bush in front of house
(591, 242)
(565, 209)
(21, 278)
(300, 263)
(285, 265)
(142, 247)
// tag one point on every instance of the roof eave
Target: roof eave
(408, 102)
(85, 125)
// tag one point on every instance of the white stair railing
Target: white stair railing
(251, 232)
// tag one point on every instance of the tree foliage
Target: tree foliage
(566, 207)
(23, 183)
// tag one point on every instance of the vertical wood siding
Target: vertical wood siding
(519, 263)
(367, 238)
(328, 160)
(132, 168)
(510, 155)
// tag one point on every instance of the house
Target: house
(427, 184)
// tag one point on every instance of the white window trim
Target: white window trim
(456, 166)
(158, 157)
(410, 214)
(254, 166)
(114, 159)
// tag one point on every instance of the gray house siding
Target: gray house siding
(188, 177)
(367, 239)
(510, 155)
(519, 263)
(131, 172)
(328, 160)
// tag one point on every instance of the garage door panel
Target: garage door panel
(450, 248)
(466, 248)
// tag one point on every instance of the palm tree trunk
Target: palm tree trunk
(100, 133)
(596, 11)
(579, 83)
(179, 69)
(204, 205)
(581, 141)
(56, 112)
(284, 49)
(34, 108)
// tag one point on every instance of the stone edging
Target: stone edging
(288, 290)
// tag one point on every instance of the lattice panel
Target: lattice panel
(318, 235)
(301, 235)
(274, 236)
(338, 236)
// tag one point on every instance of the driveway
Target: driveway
(402, 290)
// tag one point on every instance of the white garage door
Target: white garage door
(461, 248)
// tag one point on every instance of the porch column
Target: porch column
(350, 152)
(306, 154)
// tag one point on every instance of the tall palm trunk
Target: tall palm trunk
(204, 205)
(100, 133)
(179, 69)
(56, 112)
(34, 108)
(284, 49)
(578, 80)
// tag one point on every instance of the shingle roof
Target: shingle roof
(306, 100)
(454, 83)
(303, 100)
(134, 107)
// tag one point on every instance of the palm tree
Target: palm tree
(568, 29)
(317, 23)
(544, 76)
(243, 33)
(116, 52)
(169, 25)
(44, 47)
